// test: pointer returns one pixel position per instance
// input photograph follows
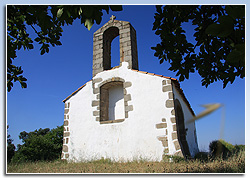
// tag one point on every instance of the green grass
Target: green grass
(233, 164)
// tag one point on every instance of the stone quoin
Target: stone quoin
(124, 114)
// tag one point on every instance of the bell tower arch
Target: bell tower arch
(103, 38)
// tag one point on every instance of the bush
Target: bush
(202, 156)
(42, 144)
(239, 148)
(221, 148)
(10, 147)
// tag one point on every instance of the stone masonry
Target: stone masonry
(102, 45)
(66, 132)
(99, 111)
(167, 137)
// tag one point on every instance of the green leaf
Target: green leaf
(59, 13)
(240, 47)
(158, 8)
(9, 86)
(98, 19)
(68, 13)
(186, 75)
(116, 7)
(203, 82)
(213, 29)
(30, 46)
(88, 23)
(224, 29)
(226, 21)
(80, 11)
(181, 78)
(43, 51)
(225, 83)
(235, 11)
(23, 84)
(88, 11)
(19, 45)
(58, 43)
(218, 30)
(235, 57)
(37, 39)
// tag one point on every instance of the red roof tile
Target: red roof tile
(158, 75)
(143, 72)
(166, 77)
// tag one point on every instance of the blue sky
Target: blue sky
(54, 76)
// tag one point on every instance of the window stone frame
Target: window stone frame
(99, 91)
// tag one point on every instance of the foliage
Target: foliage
(47, 22)
(42, 144)
(218, 54)
(219, 50)
(221, 148)
(10, 147)
(239, 148)
(202, 156)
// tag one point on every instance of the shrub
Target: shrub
(202, 156)
(239, 148)
(42, 144)
(10, 147)
(220, 148)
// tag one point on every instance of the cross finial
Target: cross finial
(112, 18)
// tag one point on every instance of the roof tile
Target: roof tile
(144, 72)
(159, 75)
(166, 77)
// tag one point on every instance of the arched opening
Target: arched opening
(112, 101)
(108, 36)
(115, 52)
(126, 46)
(181, 130)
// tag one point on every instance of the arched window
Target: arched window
(112, 101)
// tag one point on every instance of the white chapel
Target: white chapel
(124, 114)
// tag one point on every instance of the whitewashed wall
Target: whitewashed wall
(136, 137)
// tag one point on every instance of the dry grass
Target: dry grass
(234, 164)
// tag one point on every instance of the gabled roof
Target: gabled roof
(75, 92)
(175, 81)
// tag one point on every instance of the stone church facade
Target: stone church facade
(124, 114)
